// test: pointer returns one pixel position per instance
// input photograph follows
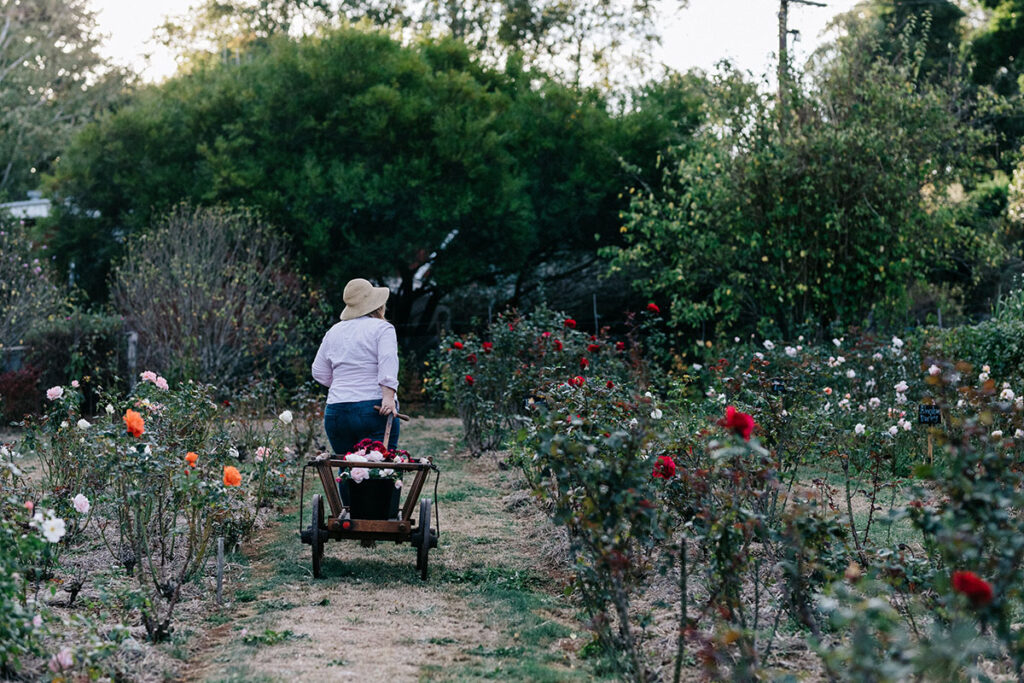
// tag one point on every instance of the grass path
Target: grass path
(489, 609)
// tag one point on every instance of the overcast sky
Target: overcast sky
(745, 31)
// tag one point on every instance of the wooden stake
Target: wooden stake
(220, 569)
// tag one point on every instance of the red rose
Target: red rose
(470, 380)
(610, 384)
(570, 323)
(977, 589)
(741, 423)
(557, 344)
(584, 363)
(593, 347)
(620, 346)
(577, 381)
(545, 334)
(511, 327)
(457, 345)
(488, 346)
(471, 358)
(664, 468)
(653, 308)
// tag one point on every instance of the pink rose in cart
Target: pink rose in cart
(359, 474)
(53, 393)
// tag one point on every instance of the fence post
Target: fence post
(133, 343)
(220, 569)
(597, 327)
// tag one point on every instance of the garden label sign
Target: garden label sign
(778, 387)
(929, 414)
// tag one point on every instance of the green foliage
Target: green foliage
(52, 78)
(766, 224)
(997, 342)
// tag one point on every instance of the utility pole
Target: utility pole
(784, 46)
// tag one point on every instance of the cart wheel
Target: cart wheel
(421, 554)
(318, 537)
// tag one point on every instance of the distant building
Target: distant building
(29, 210)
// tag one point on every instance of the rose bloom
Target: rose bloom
(593, 347)
(191, 458)
(977, 589)
(133, 423)
(570, 323)
(232, 477)
(487, 346)
(286, 417)
(741, 423)
(664, 468)
(577, 381)
(620, 346)
(470, 380)
(557, 344)
(74, 383)
(471, 358)
(610, 384)
(161, 384)
(81, 503)
(53, 393)
(584, 363)
(653, 308)
(147, 376)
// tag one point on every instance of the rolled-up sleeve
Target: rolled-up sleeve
(387, 358)
(323, 372)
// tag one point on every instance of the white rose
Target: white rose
(983, 377)
(874, 402)
(53, 529)
(934, 370)
(997, 434)
(697, 367)
(84, 424)
(285, 417)
(902, 387)
(1006, 394)
(894, 430)
(897, 343)
(233, 452)
(359, 474)
(985, 368)
(901, 398)
(858, 428)
(851, 374)
(768, 344)
(656, 414)
(837, 342)
(790, 351)
(110, 409)
(64, 424)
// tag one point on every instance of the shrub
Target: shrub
(19, 393)
(207, 291)
(28, 294)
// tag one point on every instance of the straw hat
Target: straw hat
(361, 298)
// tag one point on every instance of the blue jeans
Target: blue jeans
(347, 424)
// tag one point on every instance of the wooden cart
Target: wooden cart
(340, 525)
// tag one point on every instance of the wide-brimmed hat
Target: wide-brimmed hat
(361, 298)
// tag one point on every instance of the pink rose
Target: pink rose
(148, 376)
(160, 383)
(53, 393)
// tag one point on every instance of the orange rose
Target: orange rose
(133, 422)
(191, 458)
(232, 477)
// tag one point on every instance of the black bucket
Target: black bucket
(373, 499)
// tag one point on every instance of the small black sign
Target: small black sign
(778, 387)
(929, 414)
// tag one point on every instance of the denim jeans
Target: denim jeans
(347, 424)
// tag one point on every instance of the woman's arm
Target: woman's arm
(323, 372)
(387, 369)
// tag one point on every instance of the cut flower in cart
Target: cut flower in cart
(370, 451)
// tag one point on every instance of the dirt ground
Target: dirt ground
(492, 606)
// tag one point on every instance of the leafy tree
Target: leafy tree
(51, 79)
(28, 295)
(823, 220)
(411, 163)
(998, 46)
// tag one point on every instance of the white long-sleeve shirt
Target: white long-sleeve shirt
(355, 358)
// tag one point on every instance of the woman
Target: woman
(358, 360)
